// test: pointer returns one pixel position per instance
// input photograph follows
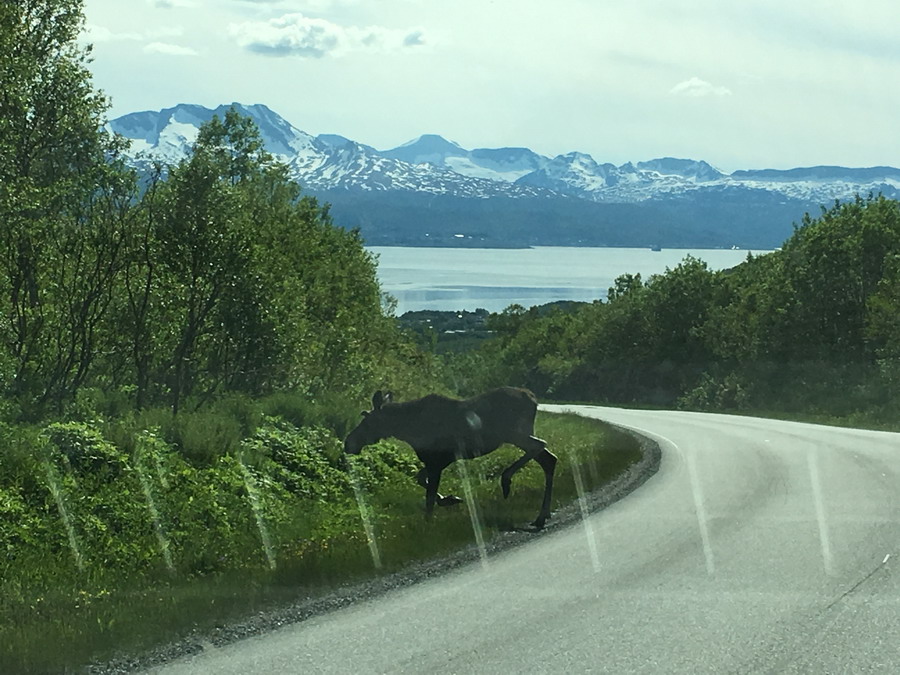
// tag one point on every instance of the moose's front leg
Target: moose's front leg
(440, 500)
(432, 480)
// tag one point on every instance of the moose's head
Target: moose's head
(372, 428)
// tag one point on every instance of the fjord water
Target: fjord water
(493, 279)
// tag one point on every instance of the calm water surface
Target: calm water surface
(457, 278)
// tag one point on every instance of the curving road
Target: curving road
(760, 546)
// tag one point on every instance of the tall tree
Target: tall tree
(62, 200)
(234, 282)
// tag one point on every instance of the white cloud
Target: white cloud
(697, 87)
(95, 33)
(164, 32)
(289, 35)
(167, 48)
(301, 5)
(298, 35)
(169, 4)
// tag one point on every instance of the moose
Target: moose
(442, 430)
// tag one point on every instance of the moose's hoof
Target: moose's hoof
(504, 486)
(449, 500)
(538, 523)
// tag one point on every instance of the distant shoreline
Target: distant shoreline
(487, 246)
(468, 278)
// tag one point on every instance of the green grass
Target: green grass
(55, 617)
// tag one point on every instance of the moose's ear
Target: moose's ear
(377, 400)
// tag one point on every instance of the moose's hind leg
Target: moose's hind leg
(547, 460)
(535, 449)
(531, 446)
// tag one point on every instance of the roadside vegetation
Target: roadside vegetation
(182, 350)
(809, 331)
(115, 546)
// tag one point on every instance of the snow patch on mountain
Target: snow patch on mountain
(698, 171)
(503, 165)
(468, 166)
(169, 134)
(426, 149)
(575, 172)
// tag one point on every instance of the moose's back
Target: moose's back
(504, 415)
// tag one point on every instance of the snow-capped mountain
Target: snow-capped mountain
(169, 134)
(574, 173)
(579, 175)
(325, 162)
(823, 183)
(432, 164)
(353, 166)
(700, 172)
(426, 149)
(685, 195)
(503, 165)
(336, 141)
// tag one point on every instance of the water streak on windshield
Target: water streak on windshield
(700, 510)
(812, 461)
(474, 516)
(583, 506)
(365, 514)
(59, 497)
(161, 538)
(253, 495)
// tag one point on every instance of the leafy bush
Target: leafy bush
(205, 437)
(184, 505)
(304, 461)
(383, 464)
(714, 393)
(22, 530)
(84, 449)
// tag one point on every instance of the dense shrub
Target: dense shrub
(84, 450)
(124, 508)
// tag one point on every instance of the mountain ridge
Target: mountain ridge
(431, 165)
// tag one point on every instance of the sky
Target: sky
(739, 83)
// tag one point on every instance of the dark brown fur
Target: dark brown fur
(442, 430)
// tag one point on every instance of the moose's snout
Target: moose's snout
(350, 446)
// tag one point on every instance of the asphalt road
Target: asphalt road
(759, 546)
